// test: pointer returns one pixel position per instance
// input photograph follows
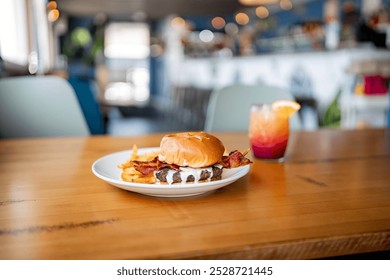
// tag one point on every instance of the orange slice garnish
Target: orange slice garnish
(285, 108)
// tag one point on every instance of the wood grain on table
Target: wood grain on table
(330, 197)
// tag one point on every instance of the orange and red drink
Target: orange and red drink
(269, 128)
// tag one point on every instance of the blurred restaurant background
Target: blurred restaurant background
(145, 66)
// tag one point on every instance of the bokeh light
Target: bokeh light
(51, 5)
(218, 22)
(262, 12)
(286, 4)
(178, 22)
(206, 36)
(242, 18)
(53, 15)
(231, 28)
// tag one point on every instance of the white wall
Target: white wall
(326, 70)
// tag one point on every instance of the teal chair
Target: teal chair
(39, 106)
(229, 107)
(87, 96)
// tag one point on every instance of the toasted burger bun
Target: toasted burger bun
(192, 149)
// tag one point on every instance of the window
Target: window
(127, 40)
(13, 31)
(24, 34)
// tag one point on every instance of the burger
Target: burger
(188, 157)
(197, 154)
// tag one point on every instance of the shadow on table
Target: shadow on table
(381, 255)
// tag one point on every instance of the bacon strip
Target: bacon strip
(234, 159)
(148, 167)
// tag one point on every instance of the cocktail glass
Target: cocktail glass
(269, 129)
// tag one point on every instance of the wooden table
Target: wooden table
(331, 197)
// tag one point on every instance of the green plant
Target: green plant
(332, 115)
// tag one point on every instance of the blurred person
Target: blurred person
(367, 30)
(350, 19)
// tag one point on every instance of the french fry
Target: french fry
(134, 152)
(244, 153)
(129, 174)
(132, 175)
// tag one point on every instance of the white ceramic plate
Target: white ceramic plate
(106, 169)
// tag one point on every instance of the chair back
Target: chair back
(87, 96)
(229, 107)
(39, 106)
